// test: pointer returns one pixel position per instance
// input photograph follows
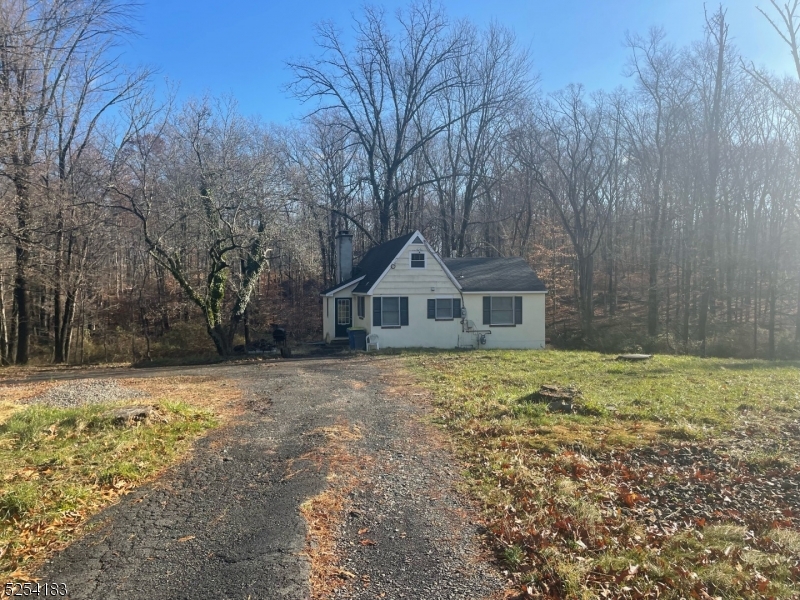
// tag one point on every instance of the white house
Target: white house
(409, 296)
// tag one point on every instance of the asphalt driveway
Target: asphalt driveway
(226, 522)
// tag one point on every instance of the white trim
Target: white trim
(514, 293)
(511, 323)
(424, 259)
(433, 252)
(452, 317)
(343, 287)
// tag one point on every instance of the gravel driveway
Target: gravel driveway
(226, 522)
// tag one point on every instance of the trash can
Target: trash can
(357, 338)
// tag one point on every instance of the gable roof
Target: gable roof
(468, 274)
(494, 275)
(340, 286)
(377, 260)
(372, 266)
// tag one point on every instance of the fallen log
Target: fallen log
(634, 357)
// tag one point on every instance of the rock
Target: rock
(562, 406)
(554, 393)
(131, 415)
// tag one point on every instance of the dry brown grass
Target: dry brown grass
(220, 396)
(12, 396)
(325, 511)
(55, 502)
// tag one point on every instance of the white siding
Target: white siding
(403, 280)
(420, 331)
(329, 311)
(420, 285)
(530, 334)
(367, 320)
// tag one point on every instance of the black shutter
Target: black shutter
(456, 308)
(403, 310)
(431, 309)
(517, 310)
(376, 311)
(487, 310)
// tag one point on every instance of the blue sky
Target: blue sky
(240, 47)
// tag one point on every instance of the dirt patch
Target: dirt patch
(409, 531)
(325, 512)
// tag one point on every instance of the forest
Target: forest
(663, 215)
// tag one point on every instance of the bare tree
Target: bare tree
(492, 80)
(44, 47)
(205, 179)
(572, 148)
(384, 88)
(651, 130)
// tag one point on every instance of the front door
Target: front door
(344, 316)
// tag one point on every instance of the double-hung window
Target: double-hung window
(417, 260)
(444, 309)
(390, 311)
(502, 310)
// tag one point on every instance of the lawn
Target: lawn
(678, 477)
(59, 466)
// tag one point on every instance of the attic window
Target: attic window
(417, 240)
(417, 260)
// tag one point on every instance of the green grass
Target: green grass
(61, 465)
(558, 511)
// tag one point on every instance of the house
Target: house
(404, 292)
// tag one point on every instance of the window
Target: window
(502, 310)
(361, 303)
(390, 314)
(444, 309)
(417, 260)
(390, 311)
(343, 311)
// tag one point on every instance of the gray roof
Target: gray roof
(374, 263)
(494, 275)
(474, 274)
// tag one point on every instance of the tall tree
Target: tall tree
(208, 177)
(46, 48)
(385, 88)
(572, 148)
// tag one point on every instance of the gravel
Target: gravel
(410, 533)
(226, 522)
(85, 391)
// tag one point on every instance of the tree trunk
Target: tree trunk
(21, 282)
(772, 304)
(652, 290)
(22, 301)
(4, 353)
(586, 292)
(58, 352)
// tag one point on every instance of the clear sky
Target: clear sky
(240, 47)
